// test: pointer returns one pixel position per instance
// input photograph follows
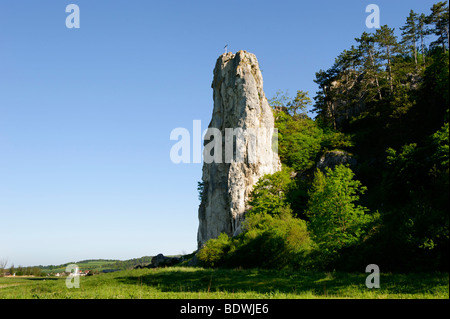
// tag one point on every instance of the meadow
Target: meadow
(201, 283)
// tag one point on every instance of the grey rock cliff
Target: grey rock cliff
(332, 159)
(239, 103)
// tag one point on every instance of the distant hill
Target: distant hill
(99, 264)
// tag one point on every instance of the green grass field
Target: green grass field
(192, 283)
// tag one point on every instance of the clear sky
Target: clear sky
(86, 114)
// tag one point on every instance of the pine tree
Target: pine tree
(324, 105)
(348, 92)
(410, 34)
(387, 42)
(422, 31)
(299, 104)
(369, 56)
(439, 18)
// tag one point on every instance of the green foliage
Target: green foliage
(296, 107)
(403, 159)
(333, 140)
(269, 195)
(200, 189)
(280, 100)
(410, 34)
(335, 220)
(393, 101)
(299, 104)
(436, 86)
(440, 140)
(214, 251)
(416, 182)
(267, 241)
(380, 77)
(299, 140)
(28, 271)
(385, 102)
(439, 20)
(271, 242)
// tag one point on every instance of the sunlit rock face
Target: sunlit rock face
(230, 172)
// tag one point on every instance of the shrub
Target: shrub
(267, 242)
(213, 252)
(271, 242)
(269, 195)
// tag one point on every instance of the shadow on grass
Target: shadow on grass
(289, 282)
(211, 280)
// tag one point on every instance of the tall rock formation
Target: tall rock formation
(239, 104)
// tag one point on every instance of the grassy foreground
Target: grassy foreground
(192, 283)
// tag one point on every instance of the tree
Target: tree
(299, 104)
(296, 106)
(348, 91)
(12, 270)
(341, 94)
(369, 60)
(269, 195)
(423, 31)
(388, 45)
(441, 141)
(439, 18)
(410, 34)
(298, 136)
(280, 100)
(335, 220)
(403, 104)
(324, 106)
(3, 263)
(299, 142)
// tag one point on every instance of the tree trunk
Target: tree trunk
(448, 37)
(415, 53)
(376, 77)
(391, 86)
(423, 49)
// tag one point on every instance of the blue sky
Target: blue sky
(86, 114)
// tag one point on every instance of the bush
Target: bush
(270, 194)
(213, 252)
(267, 242)
(271, 242)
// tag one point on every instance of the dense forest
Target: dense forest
(367, 179)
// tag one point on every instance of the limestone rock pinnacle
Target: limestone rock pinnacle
(241, 105)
